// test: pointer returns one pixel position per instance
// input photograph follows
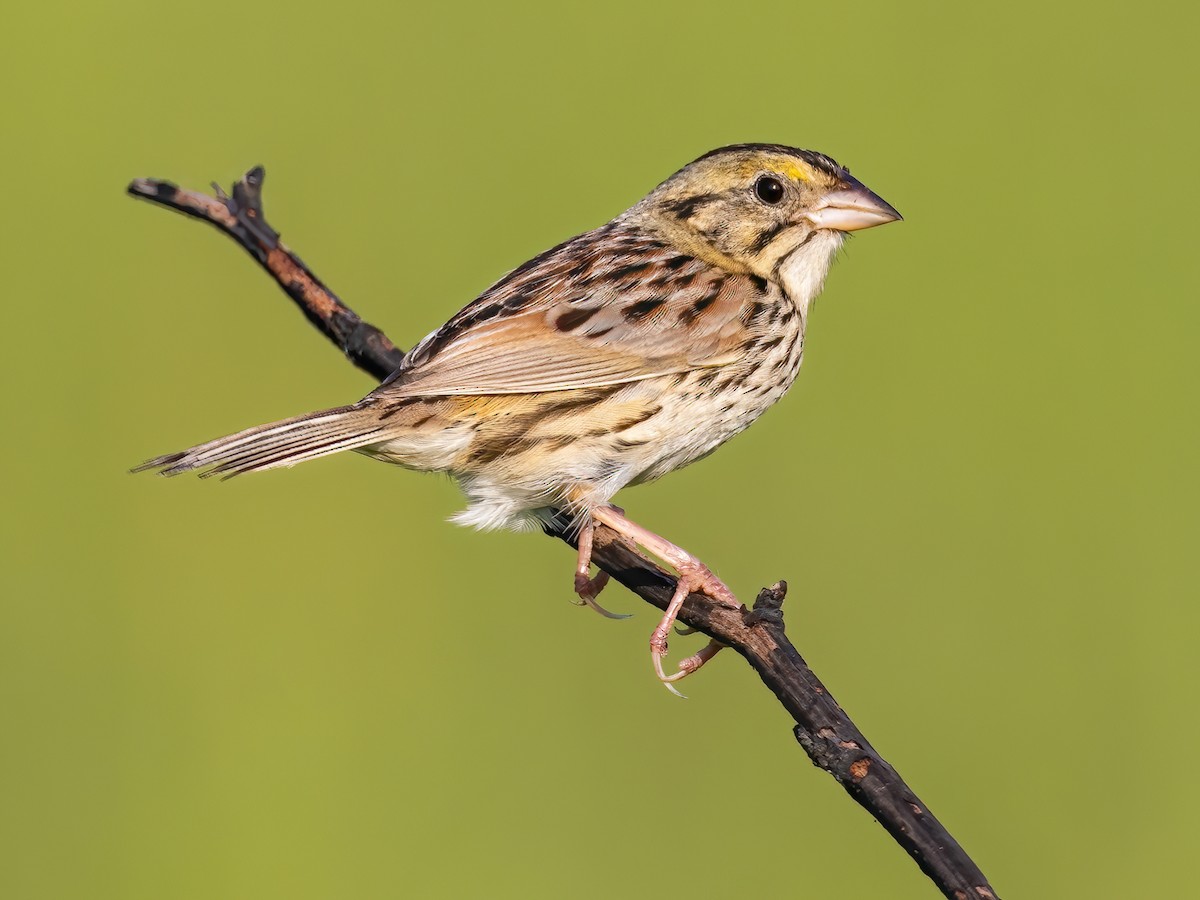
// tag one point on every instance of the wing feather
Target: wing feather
(605, 308)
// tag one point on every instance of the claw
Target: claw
(686, 666)
(588, 588)
(608, 614)
(664, 677)
(658, 650)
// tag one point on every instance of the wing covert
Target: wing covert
(601, 309)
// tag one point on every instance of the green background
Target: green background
(983, 488)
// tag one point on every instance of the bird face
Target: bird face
(748, 207)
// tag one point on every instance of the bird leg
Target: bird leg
(694, 576)
(585, 586)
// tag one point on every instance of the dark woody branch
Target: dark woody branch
(825, 732)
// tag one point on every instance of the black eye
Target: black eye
(769, 189)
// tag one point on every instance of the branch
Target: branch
(241, 217)
(826, 733)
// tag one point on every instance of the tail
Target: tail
(278, 444)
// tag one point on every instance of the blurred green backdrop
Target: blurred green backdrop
(983, 488)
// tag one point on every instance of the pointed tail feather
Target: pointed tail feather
(277, 444)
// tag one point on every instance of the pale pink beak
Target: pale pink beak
(852, 207)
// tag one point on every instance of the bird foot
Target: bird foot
(694, 577)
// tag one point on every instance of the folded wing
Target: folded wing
(591, 312)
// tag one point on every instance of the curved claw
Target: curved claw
(604, 612)
(665, 678)
(588, 588)
(684, 630)
(686, 666)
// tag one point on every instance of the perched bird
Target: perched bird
(612, 359)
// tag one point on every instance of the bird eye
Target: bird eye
(769, 189)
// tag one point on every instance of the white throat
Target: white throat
(803, 272)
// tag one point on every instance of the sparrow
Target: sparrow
(616, 357)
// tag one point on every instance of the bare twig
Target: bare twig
(825, 732)
(241, 217)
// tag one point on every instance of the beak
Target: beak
(852, 207)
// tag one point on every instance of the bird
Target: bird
(611, 359)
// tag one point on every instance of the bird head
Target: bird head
(751, 207)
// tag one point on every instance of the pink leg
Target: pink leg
(696, 660)
(586, 587)
(694, 576)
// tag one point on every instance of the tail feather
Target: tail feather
(277, 444)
